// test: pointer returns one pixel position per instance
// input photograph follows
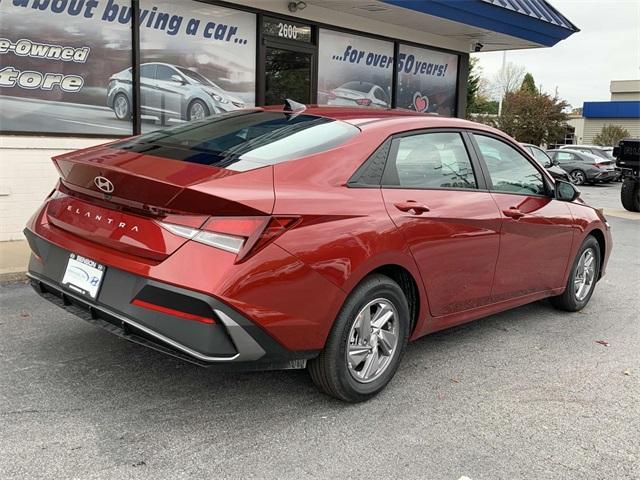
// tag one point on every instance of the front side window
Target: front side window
(148, 70)
(510, 171)
(164, 73)
(565, 157)
(430, 160)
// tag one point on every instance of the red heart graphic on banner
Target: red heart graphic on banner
(420, 102)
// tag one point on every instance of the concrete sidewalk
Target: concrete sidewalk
(14, 257)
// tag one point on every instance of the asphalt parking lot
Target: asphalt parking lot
(529, 393)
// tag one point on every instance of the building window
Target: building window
(427, 80)
(204, 59)
(354, 70)
(60, 68)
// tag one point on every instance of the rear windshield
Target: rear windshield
(244, 140)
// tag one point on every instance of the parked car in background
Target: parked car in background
(584, 167)
(545, 160)
(364, 94)
(600, 151)
(169, 92)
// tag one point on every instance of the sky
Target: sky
(581, 66)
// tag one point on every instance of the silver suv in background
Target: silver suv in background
(169, 93)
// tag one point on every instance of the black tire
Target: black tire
(630, 194)
(568, 301)
(122, 107)
(330, 370)
(578, 177)
(200, 104)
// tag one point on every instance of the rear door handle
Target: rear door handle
(514, 213)
(411, 206)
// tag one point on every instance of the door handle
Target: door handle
(411, 206)
(514, 213)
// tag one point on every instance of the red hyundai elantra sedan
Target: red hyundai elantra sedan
(319, 237)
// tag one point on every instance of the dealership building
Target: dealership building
(622, 110)
(76, 73)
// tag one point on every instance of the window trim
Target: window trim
(546, 178)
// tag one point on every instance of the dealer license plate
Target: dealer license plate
(83, 275)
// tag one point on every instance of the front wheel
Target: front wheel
(197, 110)
(578, 177)
(582, 278)
(366, 343)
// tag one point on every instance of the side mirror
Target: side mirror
(177, 78)
(555, 162)
(565, 191)
(616, 151)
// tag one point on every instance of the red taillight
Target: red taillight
(600, 165)
(363, 101)
(243, 236)
(172, 312)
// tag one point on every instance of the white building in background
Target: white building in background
(622, 110)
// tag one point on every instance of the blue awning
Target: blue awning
(532, 20)
(616, 109)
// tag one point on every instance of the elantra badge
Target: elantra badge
(104, 184)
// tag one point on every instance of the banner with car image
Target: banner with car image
(354, 70)
(427, 80)
(65, 66)
(205, 65)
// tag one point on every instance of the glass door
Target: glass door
(288, 75)
(288, 54)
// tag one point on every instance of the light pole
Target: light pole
(502, 74)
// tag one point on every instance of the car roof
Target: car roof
(569, 147)
(365, 118)
(577, 152)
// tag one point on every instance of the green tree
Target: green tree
(610, 135)
(528, 84)
(535, 118)
(473, 83)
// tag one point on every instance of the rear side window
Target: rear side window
(244, 140)
(430, 160)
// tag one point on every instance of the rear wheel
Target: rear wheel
(630, 194)
(366, 343)
(122, 107)
(582, 278)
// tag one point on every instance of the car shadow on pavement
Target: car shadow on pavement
(110, 372)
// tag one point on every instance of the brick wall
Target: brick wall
(27, 175)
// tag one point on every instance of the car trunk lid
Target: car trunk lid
(143, 189)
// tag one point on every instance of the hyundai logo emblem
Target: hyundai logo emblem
(104, 184)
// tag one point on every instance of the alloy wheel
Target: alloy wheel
(121, 107)
(585, 274)
(196, 111)
(578, 177)
(372, 340)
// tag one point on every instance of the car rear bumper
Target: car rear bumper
(230, 341)
(604, 176)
